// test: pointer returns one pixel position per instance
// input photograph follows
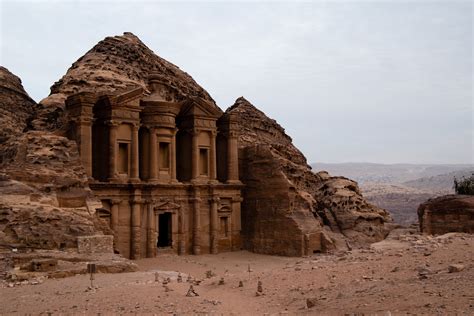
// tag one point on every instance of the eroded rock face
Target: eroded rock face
(16, 108)
(45, 201)
(287, 208)
(115, 64)
(448, 213)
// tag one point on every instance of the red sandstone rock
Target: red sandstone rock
(287, 208)
(449, 213)
(44, 197)
(115, 64)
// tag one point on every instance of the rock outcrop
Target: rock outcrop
(448, 213)
(287, 208)
(16, 108)
(45, 201)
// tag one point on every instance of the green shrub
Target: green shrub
(465, 185)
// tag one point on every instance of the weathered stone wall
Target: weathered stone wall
(449, 213)
(274, 220)
(95, 244)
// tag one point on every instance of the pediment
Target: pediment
(201, 108)
(166, 206)
(128, 98)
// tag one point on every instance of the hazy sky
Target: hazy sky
(379, 81)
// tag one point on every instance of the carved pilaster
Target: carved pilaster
(195, 154)
(196, 222)
(153, 155)
(151, 231)
(232, 158)
(135, 249)
(214, 225)
(113, 125)
(213, 158)
(114, 217)
(134, 155)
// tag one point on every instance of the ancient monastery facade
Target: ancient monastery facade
(166, 171)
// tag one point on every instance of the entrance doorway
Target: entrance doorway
(164, 230)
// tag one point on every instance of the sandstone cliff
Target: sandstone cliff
(44, 197)
(286, 206)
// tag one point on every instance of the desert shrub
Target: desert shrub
(464, 185)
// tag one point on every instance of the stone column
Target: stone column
(236, 225)
(196, 222)
(135, 248)
(84, 133)
(232, 158)
(114, 218)
(173, 156)
(195, 154)
(181, 229)
(213, 219)
(213, 158)
(153, 155)
(134, 176)
(151, 231)
(113, 150)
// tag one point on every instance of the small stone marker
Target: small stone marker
(189, 279)
(259, 288)
(180, 278)
(311, 302)
(241, 284)
(191, 292)
(221, 281)
(157, 276)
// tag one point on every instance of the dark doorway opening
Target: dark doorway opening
(164, 230)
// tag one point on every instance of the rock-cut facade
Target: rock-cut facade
(165, 170)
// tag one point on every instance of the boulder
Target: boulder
(448, 213)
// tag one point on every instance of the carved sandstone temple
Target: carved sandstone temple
(166, 171)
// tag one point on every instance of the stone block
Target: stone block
(43, 265)
(95, 244)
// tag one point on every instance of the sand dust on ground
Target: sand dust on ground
(401, 275)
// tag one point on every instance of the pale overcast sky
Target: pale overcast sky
(378, 81)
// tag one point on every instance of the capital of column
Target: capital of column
(115, 201)
(113, 123)
(233, 134)
(215, 199)
(135, 126)
(195, 131)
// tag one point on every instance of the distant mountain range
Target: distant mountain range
(388, 173)
(400, 188)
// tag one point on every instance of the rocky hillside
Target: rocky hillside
(284, 199)
(401, 188)
(44, 198)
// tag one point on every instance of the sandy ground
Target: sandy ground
(405, 274)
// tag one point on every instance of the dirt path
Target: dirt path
(404, 274)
